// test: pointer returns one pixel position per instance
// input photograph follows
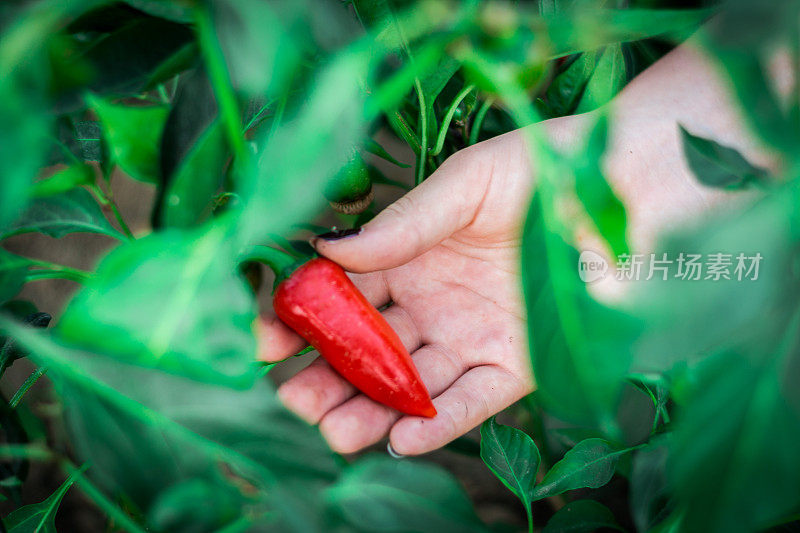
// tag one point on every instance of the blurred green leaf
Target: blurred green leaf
(582, 516)
(125, 60)
(380, 494)
(13, 269)
(513, 458)
(718, 166)
(38, 517)
(64, 180)
(145, 432)
(594, 192)
(585, 28)
(650, 490)
(133, 135)
(73, 211)
(590, 464)
(177, 11)
(172, 301)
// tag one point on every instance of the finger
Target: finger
(315, 390)
(276, 341)
(318, 388)
(477, 395)
(441, 205)
(360, 421)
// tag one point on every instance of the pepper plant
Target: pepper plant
(245, 118)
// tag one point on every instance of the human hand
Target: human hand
(447, 256)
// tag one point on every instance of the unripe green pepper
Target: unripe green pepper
(350, 192)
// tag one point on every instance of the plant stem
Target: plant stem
(449, 117)
(423, 134)
(53, 270)
(107, 506)
(217, 72)
(17, 451)
(479, 117)
(33, 378)
(107, 200)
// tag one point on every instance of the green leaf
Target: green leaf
(38, 517)
(594, 192)
(64, 180)
(73, 211)
(193, 154)
(513, 458)
(13, 270)
(650, 493)
(126, 59)
(133, 135)
(189, 196)
(590, 464)
(148, 433)
(718, 166)
(608, 79)
(380, 494)
(582, 516)
(172, 300)
(564, 92)
(376, 149)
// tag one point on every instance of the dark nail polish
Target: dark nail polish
(337, 234)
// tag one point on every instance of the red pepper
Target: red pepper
(319, 302)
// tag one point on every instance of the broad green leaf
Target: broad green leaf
(718, 166)
(314, 145)
(147, 433)
(38, 517)
(13, 269)
(582, 516)
(193, 153)
(590, 464)
(190, 193)
(173, 301)
(512, 456)
(258, 60)
(125, 60)
(384, 494)
(580, 349)
(73, 211)
(64, 180)
(594, 192)
(608, 79)
(133, 135)
(586, 28)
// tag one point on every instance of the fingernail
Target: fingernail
(393, 453)
(337, 234)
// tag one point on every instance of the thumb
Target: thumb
(441, 205)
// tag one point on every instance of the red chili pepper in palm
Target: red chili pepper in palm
(318, 301)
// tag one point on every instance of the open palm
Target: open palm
(447, 258)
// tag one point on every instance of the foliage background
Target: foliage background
(234, 112)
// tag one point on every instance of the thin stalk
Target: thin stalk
(479, 117)
(33, 378)
(107, 200)
(101, 500)
(449, 118)
(54, 270)
(220, 81)
(27, 451)
(423, 134)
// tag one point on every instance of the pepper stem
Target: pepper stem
(281, 263)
